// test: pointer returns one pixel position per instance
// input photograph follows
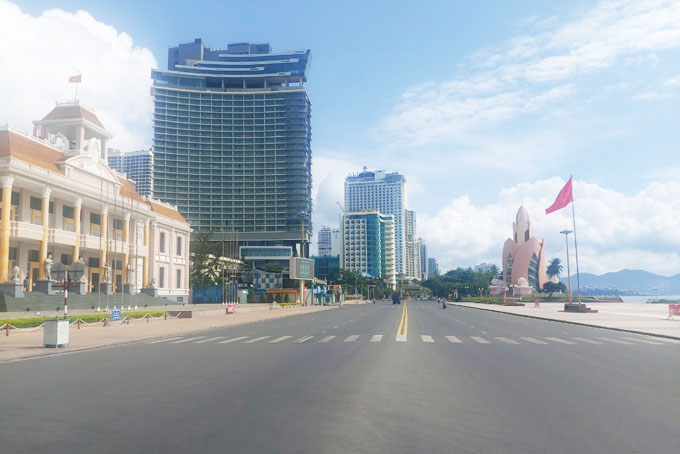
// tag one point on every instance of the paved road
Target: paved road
(373, 378)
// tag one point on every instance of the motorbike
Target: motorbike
(444, 305)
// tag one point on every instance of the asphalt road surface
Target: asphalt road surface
(378, 378)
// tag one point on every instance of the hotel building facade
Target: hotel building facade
(368, 244)
(384, 192)
(232, 144)
(60, 198)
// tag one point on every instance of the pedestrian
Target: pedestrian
(537, 305)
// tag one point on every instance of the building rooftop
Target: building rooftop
(72, 111)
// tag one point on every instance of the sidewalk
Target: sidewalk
(204, 317)
(632, 317)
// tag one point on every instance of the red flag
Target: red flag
(563, 198)
(75, 79)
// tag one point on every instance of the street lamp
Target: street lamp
(566, 240)
(303, 215)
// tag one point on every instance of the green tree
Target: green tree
(550, 288)
(204, 269)
(554, 268)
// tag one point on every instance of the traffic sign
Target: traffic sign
(115, 315)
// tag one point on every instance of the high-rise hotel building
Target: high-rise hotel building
(137, 166)
(383, 192)
(232, 149)
(368, 244)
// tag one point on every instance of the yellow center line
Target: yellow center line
(405, 320)
(403, 323)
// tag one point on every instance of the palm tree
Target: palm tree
(554, 268)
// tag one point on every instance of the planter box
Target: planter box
(56, 333)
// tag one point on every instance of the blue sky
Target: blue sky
(482, 105)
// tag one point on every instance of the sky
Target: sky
(483, 106)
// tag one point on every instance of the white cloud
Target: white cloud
(614, 231)
(38, 55)
(541, 64)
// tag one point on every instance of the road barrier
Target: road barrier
(80, 322)
(673, 311)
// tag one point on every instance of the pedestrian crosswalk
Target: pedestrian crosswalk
(252, 338)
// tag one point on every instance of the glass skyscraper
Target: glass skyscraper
(232, 143)
(138, 166)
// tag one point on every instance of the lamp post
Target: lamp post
(566, 240)
(303, 215)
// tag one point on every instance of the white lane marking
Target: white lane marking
(302, 339)
(351, 338)
(644, 341)
(615, 341)
(257, 339)
(233, 340)
(587, 341)
(535, 341)
(479, 340)
(426, 338)
(506, 340)
(324, 332)
(484, 332)
(279, 339)
(335, 327)
(163, 340)
(401, 337)
(327, 339)
(454, 340)
(665, 339)
(209, 340)
(377, 338)
(181, 341)
(561, 341)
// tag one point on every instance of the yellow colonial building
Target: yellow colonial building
(62, 203)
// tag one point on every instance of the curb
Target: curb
(623, 330)
(56, 352)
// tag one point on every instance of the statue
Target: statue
(81, 261)
(15, 275)
(153, 283)
(48, 267)
(107, 274)
(83, 279)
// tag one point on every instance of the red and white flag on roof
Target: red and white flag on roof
(563, 198)
(75, 79)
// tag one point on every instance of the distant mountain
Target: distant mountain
(637, 281)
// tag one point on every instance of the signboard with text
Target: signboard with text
(302, 269)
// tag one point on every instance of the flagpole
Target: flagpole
(578, 277)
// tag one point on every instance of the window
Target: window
(179, 246)
(161, 277)
(161, 246)
(95, 224)
(66, 259)
(36, 210)
(68, 218)
(118, 229)
(93, 262)
(179, 278)
(33, 256)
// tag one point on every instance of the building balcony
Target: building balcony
(26, 231)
